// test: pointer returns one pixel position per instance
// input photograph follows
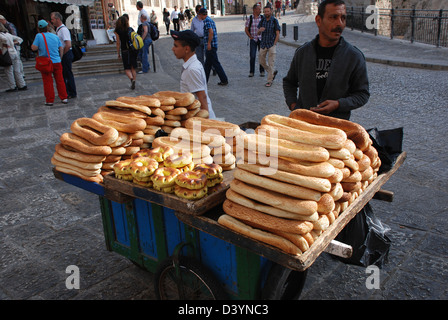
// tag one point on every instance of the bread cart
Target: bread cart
(193, 257)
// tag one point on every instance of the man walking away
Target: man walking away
(175, 18)
(64, 35)
(211, 48)
(251, 30)
(269, 29)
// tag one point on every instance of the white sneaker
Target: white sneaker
(65, 101)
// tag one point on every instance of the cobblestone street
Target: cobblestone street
(47, 225)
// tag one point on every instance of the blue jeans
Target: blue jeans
(254, 48)
(200, 50)
(211, 60)
(145, 54)
(67, 73)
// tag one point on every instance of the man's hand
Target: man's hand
(292, 106)
(326, 107)
(261, 30)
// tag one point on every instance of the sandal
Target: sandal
(268, 84)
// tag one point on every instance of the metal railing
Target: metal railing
(424, 26)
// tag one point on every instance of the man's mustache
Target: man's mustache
(337, 29)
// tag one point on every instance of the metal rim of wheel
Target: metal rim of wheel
(190, 281)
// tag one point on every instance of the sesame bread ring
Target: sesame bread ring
(74, 141)
(165, 177)
(80, 156)
(98, 178)
(164, 101)
(128, 106)
(94, 131)
(183, 99)
(157, 112)
(190, 194)
(195, 105)
(123, 112)
(122, 140)
(143, 167)
(173, 117)
(178, 160)
(121, 123)
(191, 180)
(210, 170)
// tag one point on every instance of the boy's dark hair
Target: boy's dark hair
(323, 5)
(140, 4)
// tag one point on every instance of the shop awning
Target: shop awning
(75, 2)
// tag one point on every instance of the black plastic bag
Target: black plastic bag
(367, 236)
(389, 144)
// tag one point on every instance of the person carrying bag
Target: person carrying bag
(49, 63)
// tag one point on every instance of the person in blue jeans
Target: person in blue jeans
(251, 29)
(211, 48)
(147, 41)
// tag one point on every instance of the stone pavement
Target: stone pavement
(47, 225)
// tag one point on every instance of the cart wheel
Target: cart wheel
(283, 283)
(191, 281)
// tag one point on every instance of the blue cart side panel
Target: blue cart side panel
(174, 230)
(145, 227)
(219, 257)
(120, 223)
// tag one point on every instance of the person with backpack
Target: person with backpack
(64, 35)
(145, 31)
(251, 30)
(269, 28)
(128, 53)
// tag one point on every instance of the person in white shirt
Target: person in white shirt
(175, 18)
(141, 12)
(193, 75)
(14, 74)
(64, 35)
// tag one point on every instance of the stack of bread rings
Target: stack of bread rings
(213, 172)
(297, 175)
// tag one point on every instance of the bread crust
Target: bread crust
(94, 131)
(354, 131)
(226, 129)
(260, 235)
(82, 145)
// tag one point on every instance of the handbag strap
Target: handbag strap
(46, 46)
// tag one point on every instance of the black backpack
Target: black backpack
(152, 30)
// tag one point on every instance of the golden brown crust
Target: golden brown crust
(127, 106)
(259, 235)
(78, 155)
(226, 129)
(121, 123)
(83, 145)
(354, 131)
(98, 178)
(183, 99)
(191, 180)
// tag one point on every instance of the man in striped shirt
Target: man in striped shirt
(211, 48)
(269, 29)
(254, 38)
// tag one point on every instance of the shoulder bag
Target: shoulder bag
(44, 64)
(5, 59)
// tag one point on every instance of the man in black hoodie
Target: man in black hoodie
(329, 72)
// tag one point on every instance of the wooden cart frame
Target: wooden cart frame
(149, 227)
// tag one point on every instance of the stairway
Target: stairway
(100, 59)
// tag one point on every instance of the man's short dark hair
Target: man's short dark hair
(323, 5)
(255, 5)
(139, 4)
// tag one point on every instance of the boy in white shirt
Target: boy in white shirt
(193, 75)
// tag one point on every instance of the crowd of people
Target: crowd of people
(327, 75)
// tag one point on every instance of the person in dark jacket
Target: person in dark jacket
(329, 72)
(127, 55)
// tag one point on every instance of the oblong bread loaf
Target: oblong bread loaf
(123, 112)
(84, 172)
(354, 131)
(315, 183)
(275, 185)
(284, 148)
(320, 170)
(244, 201)
(297, 135)
(262, 220)
(275, 199)
(259, 235)
(273, 119)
